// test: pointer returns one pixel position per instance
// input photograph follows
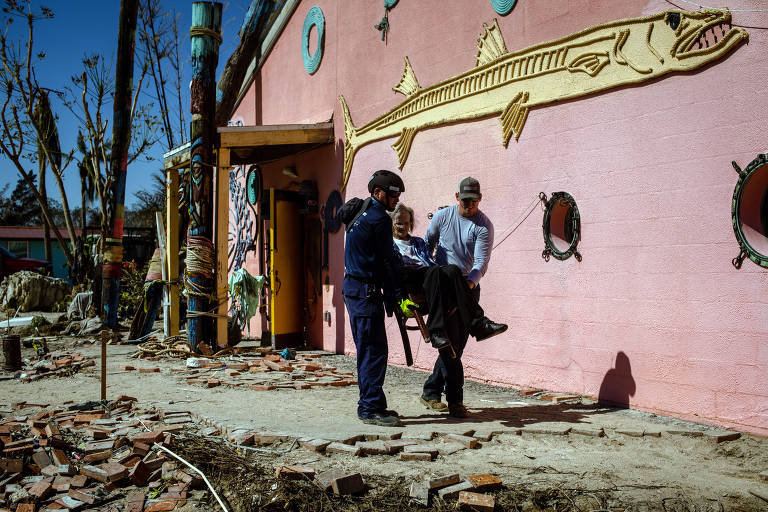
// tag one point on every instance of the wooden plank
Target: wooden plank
(172, 248)
(177, 157)
(250, 136)
(164, 271)
(221, 243)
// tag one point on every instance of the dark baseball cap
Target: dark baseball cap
(469, 188)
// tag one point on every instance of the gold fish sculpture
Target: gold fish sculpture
(618, 53)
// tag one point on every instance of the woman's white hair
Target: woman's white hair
(401, 208)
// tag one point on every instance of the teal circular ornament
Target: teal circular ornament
(314, 18)
(503, 6)
(390, 3)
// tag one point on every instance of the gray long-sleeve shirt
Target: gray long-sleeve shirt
(464, 242)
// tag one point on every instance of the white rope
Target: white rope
(720, 8)
(526, 213)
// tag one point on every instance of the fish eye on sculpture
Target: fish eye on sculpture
(673, 20)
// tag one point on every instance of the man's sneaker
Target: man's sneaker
(439, 341)
(433, 403)
(457, 410)
(487, 328)
(381, 419)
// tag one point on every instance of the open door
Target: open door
(286, 275)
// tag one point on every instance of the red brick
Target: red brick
(88, 417)
(262, 387)
(134, 502)
(295, 473)
(484, 482)
(161, 506)
(478, 502)
(59, 457)
(81, 496)
(127, 367)
(147, 437)
(12, 465)
(52, 430)
(139, 474)
(41, 490)
(97, 456)
(426, 457)
(78, 481)
(444, 481)
(149, 370)
(348, 484)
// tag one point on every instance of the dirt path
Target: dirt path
(661, 470)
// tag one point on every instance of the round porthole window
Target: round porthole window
(561, 226)
(749, 212)
(315, 19)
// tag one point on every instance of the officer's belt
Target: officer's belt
(366, 280)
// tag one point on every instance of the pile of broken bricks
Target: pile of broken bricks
(266, 373)
(469, 491)
(51, 365)
(81, 457)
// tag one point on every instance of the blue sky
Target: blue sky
(85, 27)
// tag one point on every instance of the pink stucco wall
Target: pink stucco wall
(655, 313)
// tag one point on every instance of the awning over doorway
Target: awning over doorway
(257, 144)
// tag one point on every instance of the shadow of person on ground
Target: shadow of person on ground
(513, 417)
(618, 384)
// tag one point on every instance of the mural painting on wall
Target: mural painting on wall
(596, 59)
(242, 216)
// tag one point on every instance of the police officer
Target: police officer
(370, 265)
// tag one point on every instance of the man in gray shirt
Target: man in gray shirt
(462, 236)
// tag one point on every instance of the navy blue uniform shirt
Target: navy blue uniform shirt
(369, 253)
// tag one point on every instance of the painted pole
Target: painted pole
(118, 165)
(200, 260)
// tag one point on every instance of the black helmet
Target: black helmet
(387, 181)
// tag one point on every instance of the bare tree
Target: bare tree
(24, 136)
(28, 130)
(158, 49)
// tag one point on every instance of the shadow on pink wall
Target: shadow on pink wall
(618, 384)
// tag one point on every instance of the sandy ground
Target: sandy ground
(617, 471)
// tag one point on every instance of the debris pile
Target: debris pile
(266, 372)
(85, 456)
(52, 365)
(30, 291)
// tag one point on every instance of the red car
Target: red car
(10, 263)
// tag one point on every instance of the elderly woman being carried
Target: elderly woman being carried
(444, 287)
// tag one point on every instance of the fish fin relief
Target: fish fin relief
(408, 85)
(513, 117)
(621, 58)
(590, 63)
(490, 44)
(402, 145)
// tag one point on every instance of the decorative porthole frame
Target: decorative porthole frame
(314, 18)
(562, 199)
(745, 248)
(253, 185)
(503, 7)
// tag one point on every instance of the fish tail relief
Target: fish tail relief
(350, 146)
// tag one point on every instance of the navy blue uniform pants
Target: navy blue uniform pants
(365, 306)
(448, 374)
